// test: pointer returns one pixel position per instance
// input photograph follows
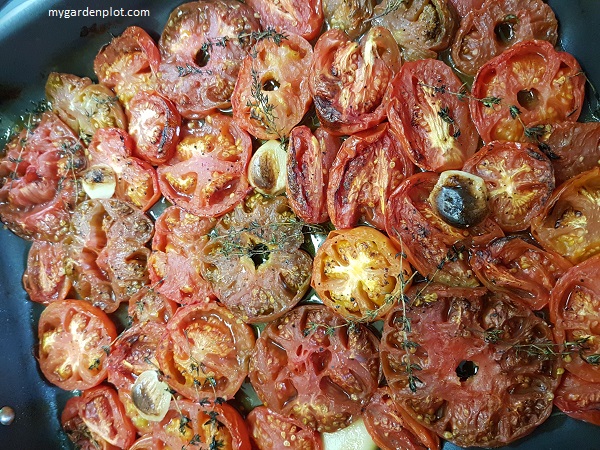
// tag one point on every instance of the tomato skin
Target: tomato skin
(368, 167)
(358, 274)
(154, 125)
(286, 65)
(519, 180)
(197, 73)
(464, 7)
(451, 328)
(205, 352)
(434, 126)
(568, 222)
(302, 18)
(208, 174)
(578, 399)
(344, 102)
(72, 336)
(272, 431)
(551, 81)
(31, 172)
(309, 365)
(45, 279)
(479, 38)
(309, 161)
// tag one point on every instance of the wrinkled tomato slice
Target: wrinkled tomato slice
(148, 305)
(579, 399)
(302, 18)
(45, 279)
(76, 429)
(351, 17)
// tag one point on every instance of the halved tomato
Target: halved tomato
(579, 399)
(45, 279)
(148, 305)
(352, 17)
(303, 18)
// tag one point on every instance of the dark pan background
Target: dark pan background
(32, 44)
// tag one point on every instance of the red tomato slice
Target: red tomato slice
(433, 125)
(348, 80)
(303, 18)
(579, 399)
(271, 95)
(534, 83)
(148, 305)
(208, 174)
(45, 279)
(77, 431)
(309, 160)
(75, 338)
(368, 167)
(154, 125)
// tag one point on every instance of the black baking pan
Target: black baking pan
(32, 44)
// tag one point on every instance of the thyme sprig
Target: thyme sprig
(188, 69)
(262, 110)
(249, 38)
(462, 94)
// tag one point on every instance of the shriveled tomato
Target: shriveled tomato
(520, 269)
(270, 430)
(358, 273)
(310, 157)
(45, 279)
(83, 105)
(38, 186)
(489, 30)
(148, 305)
(205, 352)
(254, 262)
(348, 80)
(368, 167)
(202, 47)
(519, 180)
(128, 64)
(533, 83)
(575, 313)
(175, 263)
(421, 28)
(74, 338)
(107, 251)
(466, 365)
(207, 175)
(271, 95)
(154, 125)
(311, 365)
(302, 18)
(393, 428)
(136, 181)
(204, 425)
(568, 224)
(350, 16)
(433, 125)
(77, 431)
(579, 399)
(439, 251)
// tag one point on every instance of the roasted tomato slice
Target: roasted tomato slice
(83, 105)
(486, 32)
(148, 305)
(435, 248)
(368, 167)
(205, 352)
(77, 431)
(107, 252)
(575, 313)
(175, 263)
(462, 355)
(128, 64)
(533, 83)
(311, 365)
(45, 279)
(310, 157)
(568, 224)
(519, 180)
(358, 273)
(202, 47)
(74, 337)
(191, 424)
(579, 399)
(38, 186)
(271, 95)
(110, 155)
(154, 125)
(254, 262)
(421, 28)
(520, 269)
(348, 80)
(270, 430)
(351, 16)
(303, 18)
(392, 428)
(464, 7)
(207, 175)
(433, 125)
